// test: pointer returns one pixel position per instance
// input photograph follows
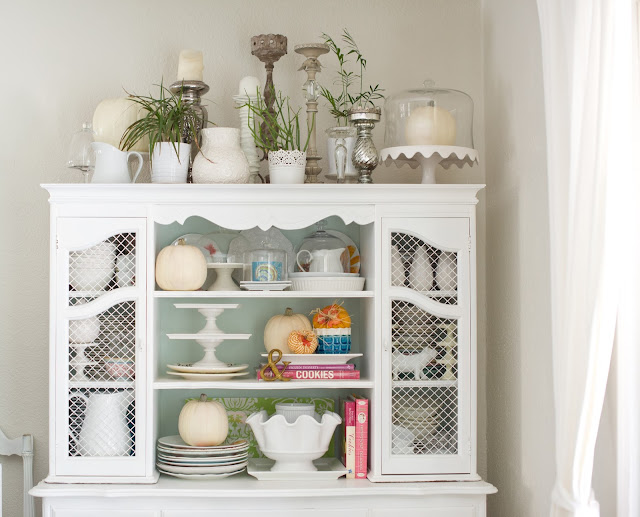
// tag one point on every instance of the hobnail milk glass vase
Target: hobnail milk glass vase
(220, 159)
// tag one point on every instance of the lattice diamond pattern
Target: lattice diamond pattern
(423, 267)
(105, 266)
(101, 422)
(102, 347)
(424, 420)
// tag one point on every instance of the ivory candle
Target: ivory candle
(249, 86)
(190, 65)
(430, 125)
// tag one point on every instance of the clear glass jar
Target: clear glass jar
(265, 265)
(429, 116)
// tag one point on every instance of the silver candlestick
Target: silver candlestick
(365, 155)
(311, 92)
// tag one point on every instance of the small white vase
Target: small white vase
(167, 166)
(220, 159)
(347, 136)
(287, 166)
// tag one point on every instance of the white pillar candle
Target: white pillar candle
(249, 86)
(190, 65)
(430, 125)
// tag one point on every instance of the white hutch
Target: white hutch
(434, 475)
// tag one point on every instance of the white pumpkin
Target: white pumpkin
(203, 422)
(112, 117)
(278, 328)
(181, 268)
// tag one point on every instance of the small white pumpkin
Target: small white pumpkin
(112, 117)
(203, 423)
(181, 268)
(279, 327)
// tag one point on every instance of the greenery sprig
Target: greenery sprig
(279, 128)
(340, 104)
(167, 118)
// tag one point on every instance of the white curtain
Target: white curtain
(587, 67)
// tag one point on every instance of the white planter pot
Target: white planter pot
(221, 159)
(166, 166)
(287, 166)
(351, 173)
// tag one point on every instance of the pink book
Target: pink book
(350, 438)
(315, 366)
(362, 435)
(312, 375)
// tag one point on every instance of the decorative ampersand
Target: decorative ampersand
(277, 374)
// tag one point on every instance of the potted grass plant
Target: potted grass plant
(167, 120)
(342, 137)
(280, 134)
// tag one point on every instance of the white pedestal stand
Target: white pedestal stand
(80, 361)
(223, 281)
(210, 336)
(427, 157)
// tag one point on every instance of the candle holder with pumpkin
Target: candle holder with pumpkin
(427, 127)
(332, 326)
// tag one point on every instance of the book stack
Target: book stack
(355, 439)
(313, 372)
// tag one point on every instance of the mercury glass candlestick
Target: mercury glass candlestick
(311, 92)
(365, 155)
(192, 91)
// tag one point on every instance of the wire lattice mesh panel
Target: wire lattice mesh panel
(105, 266)
(102, 347)
(424, 346)
(423, 267)
(424, 420)
(101, 422)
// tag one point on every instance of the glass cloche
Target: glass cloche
(321, 242)
(429, 116)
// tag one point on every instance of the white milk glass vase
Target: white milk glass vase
(221, 159)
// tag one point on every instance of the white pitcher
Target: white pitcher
(112, 164)
(322, 261)
(105, 431)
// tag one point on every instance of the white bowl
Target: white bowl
(286, 174)
(327, 284)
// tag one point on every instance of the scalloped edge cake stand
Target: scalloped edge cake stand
(210, 336)
(428, 157)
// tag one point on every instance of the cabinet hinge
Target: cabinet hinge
(469, 446)
(57, 243)
(469, 242)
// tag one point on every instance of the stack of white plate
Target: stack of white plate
(276, 285)
(204, 373)
(421, 421)
(176, 458)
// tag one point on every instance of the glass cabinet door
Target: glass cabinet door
(100, 327)
(426, 414)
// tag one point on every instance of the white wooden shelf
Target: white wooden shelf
(263, 294)
(163, 383)
(425, 384)
(101, 384)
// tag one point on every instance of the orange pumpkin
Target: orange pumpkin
(332, 316)
(302, 342)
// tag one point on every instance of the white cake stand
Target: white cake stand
(223, 281)
(210, 336)
(80, 361)
(428, 157)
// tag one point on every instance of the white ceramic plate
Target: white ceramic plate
(354, 266)
(317, 358)
(189, 368)
(175, 442)
(200, 476)
(207, 376)
(264, 286)
(225, 265)
(202, 462)
(221, 469)
(205, 244)
(198, 306)
(207, 455)
(328, 468)
(209, 335)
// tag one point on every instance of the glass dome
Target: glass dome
(320, 240)
(429, 116)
